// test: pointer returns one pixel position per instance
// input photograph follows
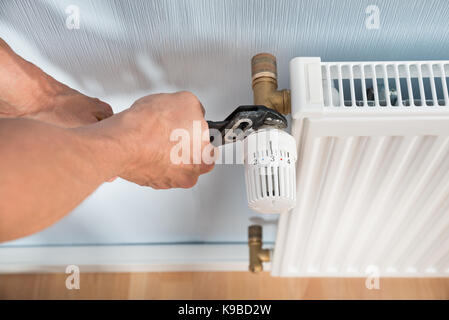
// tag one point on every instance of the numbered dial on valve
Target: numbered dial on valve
(271, 158)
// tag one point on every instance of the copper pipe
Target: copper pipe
(257, 255)
(264, 83)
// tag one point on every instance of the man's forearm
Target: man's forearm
(39, 162)
(28, 92)
(46, 171)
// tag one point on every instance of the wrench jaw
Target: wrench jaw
(243, 121)
(239, 130)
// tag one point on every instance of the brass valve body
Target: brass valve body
(264, 83)
(257, 255)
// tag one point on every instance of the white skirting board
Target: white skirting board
(125, 258)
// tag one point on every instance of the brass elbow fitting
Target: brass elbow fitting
(257, 255)
(264, 83)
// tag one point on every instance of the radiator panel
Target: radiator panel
(372, 191)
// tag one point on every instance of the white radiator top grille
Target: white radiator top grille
(372, 189)
(367, 84)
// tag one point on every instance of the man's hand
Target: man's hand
(28, 92)
(144, 133)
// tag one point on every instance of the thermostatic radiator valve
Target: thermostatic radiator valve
(270, 174)
(269, 155)
(269, 152)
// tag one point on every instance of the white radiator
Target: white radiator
(372, 170)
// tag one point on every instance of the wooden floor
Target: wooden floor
(213, 285)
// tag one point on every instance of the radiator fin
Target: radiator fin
(364, 201)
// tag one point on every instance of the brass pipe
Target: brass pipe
(257, 255)
(264, 83)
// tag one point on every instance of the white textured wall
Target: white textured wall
(125, 49)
